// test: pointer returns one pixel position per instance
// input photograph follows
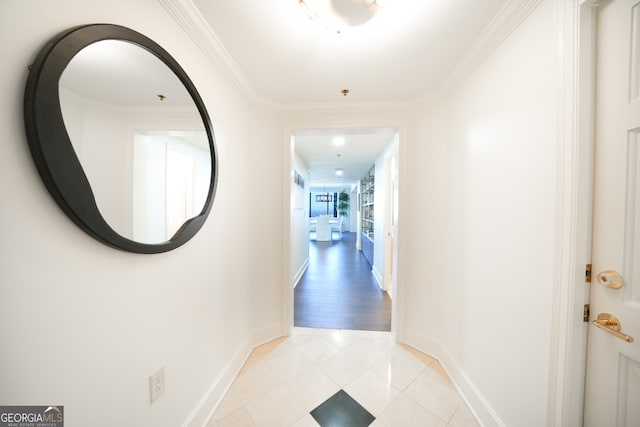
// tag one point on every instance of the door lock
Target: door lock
(610, 279)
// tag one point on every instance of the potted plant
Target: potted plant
(343, 204)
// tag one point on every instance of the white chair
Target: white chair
(337, 227)
(323, 231)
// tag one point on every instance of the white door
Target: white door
(390, 223)
(612, 394)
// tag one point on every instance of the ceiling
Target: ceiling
(356, 156)
(404, 54)
(123, 74)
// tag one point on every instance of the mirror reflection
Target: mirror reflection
(139, 137)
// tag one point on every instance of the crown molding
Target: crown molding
(510, 16)
(187, 16)
(372, 107)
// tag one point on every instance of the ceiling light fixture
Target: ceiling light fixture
(339, 171)
(338, 141)
(339, 14)
(325, 198)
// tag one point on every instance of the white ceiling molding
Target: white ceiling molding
(187, 15)
(189, 18)
(347, 107)
(512, 14)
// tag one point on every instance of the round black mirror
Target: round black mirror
(121, 138)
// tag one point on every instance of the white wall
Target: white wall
(84, 325)
(352, 224)
(260, 161)
(98, 132)
(481, 241)
(300, 221)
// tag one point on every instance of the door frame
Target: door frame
(575, 171)
(337, 120)
(389, 231)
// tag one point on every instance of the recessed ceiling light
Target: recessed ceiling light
(338, 141)
(339, 171)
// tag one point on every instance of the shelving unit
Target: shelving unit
(367, 186)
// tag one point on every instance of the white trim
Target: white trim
(214, 394)
(211, 399)
(265, 334)
(187, 15)
(501, 26)
(300, 272)
(576, 103)
(288, 163)
(478, 405)
(377, 276)
(398, 292)
(332, 121)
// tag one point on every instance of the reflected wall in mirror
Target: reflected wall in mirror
(127, 148)
(171, 173)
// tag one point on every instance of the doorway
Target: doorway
(308, 258)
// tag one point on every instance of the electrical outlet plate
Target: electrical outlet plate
(156, 385)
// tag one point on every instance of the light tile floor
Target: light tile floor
(285, 379)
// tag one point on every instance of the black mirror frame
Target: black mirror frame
(53, 153)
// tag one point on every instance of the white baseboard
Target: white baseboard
(266, 334)
(476, 402)
(377, 276)
(212, 398)
(300, 272)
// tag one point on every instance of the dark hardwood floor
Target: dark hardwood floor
(339, 291)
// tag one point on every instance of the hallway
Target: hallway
(339, 291)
